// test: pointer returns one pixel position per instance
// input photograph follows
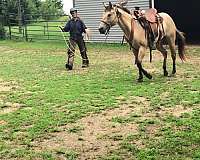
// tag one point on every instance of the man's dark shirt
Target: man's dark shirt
(75, 28)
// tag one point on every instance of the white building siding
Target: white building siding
(91, 12)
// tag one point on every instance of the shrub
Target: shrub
(2, 32)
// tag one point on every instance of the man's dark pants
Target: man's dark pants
(82, 48)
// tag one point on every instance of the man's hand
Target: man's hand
(87, 34)
(61, 28)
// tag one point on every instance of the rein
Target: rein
(129, 39)
(107, 33)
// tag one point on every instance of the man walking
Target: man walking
(76, 27)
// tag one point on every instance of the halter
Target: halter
(109, 24)
(130, 37)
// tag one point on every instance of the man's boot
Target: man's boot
(68, 66)
(85, 63)
(70, 61)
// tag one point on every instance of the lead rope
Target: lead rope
(105, 41)
(68, 45)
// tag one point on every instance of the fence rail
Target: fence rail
(35, 29)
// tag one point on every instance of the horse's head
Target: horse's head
(110, 16)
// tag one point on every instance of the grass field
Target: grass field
(100, 112)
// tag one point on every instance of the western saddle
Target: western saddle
(152, 23)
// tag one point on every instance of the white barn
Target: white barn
(91, 13)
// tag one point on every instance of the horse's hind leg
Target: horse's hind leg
(171, 42)
(140, 78)
(141, 54)
(164, 53)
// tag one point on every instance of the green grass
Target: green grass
(53, 97)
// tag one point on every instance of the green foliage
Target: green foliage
(2, 32)
(2, 12)
(35, 8)
(51, 7)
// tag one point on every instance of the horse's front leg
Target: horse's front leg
(142, 71)
(140, 78)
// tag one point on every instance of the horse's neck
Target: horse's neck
(125, 23)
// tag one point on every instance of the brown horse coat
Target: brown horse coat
(115, 14)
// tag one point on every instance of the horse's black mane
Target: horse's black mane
(108, 8)
(124, 9)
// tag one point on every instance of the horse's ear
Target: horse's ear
(110, 5)
(104, 4)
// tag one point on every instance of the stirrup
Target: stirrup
(152, 46)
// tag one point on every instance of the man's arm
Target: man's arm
(86, 30)
(67, 27)
(83, 26)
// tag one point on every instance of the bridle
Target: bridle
(130, 37)
(110, 24)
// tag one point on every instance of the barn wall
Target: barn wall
(91, 13)
(185, 15)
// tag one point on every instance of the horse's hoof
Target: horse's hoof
(149, 76)
(172, 75)
(165, 74)
(173, 72)
(140, 80)
(68, 67)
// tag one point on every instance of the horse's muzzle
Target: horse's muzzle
(102, 30)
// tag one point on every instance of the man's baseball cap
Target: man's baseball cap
(73, 10)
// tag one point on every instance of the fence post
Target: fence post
(47, 30)
(9, 26)
(26, 33)
(19, 16)
(25, 28)
(44, 30)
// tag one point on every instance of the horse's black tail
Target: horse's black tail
(181, 45)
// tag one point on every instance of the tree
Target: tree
(2, 13)
(51, 7)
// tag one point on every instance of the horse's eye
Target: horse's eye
(109, 15)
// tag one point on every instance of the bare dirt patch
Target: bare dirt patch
(98, 135)
(5, 88)
(9, 107)
(176, 111)
(2, 122)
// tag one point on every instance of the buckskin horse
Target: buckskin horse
(135, 34)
